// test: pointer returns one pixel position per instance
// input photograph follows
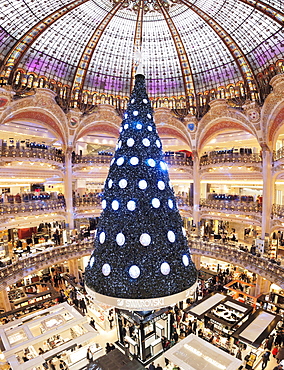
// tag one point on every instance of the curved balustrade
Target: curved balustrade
(28, 265)
(88, 201)
(279, 154)
(105, 159)
(278, 210)
(259, 265)
(232, 206)
(36, 205)
(50, 154)
(230, 158)
(183, 201)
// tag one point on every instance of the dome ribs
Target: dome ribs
(17, 52)
(243, 64)
(188, 81)
(84, 62)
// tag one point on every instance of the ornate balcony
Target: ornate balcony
(28, 265)
(20, 154)
(36, 206)
(278, 211)
(230, 206)
(84, 160)
(231, 159)
(259, 265)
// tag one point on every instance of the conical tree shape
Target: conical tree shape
(141, 250)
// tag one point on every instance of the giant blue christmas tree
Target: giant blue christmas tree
(141, 250)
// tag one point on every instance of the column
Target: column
(68, 189)
(196, 191)
(73, 268)
(196, 260)
(262, 285)
(4, 301)
(267, 192)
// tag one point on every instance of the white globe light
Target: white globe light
(151, 162)
(185, 260)
(145, 239)
(106, 269)
(171, 236)
(158, 143)
(102, 237)
(139, 126)
(142, 184)
(165, 268)
(122, 183)
(161, 185)
(115, 205)
(120, 129)
(134, 161)
(135, 113)
(119, 144)
(156, 203)
(145, 101)
(126, 115)
(163, 166)
(146, 142)
(126, 126)
(110, 182)
(149, 116)
(130, 142)
(120, 239)
(120, 161)
(170, 203)
(131, 205)
(134, 271)
(149, 128)
(92, 260)
(112, 161)
(104, 204)
(132, 101)
(183, 231)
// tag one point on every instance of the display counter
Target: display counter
(193, 353)
(257, 328)
(29, 298)
(143, 332)
(47, 334)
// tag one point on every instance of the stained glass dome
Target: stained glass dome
(188, 46)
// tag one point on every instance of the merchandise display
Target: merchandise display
(59, 330)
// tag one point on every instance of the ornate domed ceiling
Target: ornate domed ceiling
(189, 46)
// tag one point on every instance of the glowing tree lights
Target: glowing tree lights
(141, 251)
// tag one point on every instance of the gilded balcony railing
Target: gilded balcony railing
(34, 262)
(260, 265)
(49, 154)
(231, 206)
(105, 159)
(225, 158)
(32, 206)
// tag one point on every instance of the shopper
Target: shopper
(89, 354)
(239, 354)
(152, 366)
(275, 351)
(265, 359)
(280, 354)
(159, 367)
(108, 348)
(278, 367)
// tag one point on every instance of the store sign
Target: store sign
(140, 303)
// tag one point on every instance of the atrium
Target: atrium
(214, 75)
